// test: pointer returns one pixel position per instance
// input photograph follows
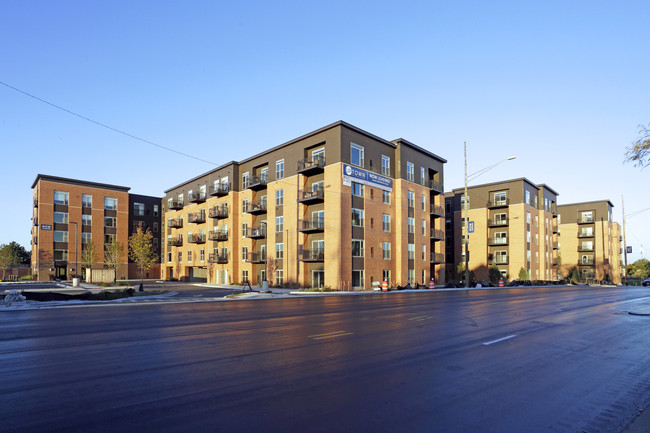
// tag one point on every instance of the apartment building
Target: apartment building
(338, 207)
(512, 225)
(591, 241)
(68, 213)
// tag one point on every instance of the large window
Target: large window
(385, 222)
(86, 200)
(60, 254)
(279, 251)
(423, 176)
(411, 225)
(244, 180)
(357, 217)
(411, 250)
(586, 217)
(279, 277)
(110, 222)
(279, 197)
(60, 236)
(279, 224)
(138, 209)
(385, 165)
(357, 279)
(500, 198)
(61, 217)
(410, 171)
(279, 169)
(357, 189)
(356, 154)
(357, 248)
(86, 220)
(411, 199)
(385, 197)
(385, 248)
(110, 203)
(85, 237)
(60, 197)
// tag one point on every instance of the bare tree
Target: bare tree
(639, 152)
(113, 256)
(89, 258)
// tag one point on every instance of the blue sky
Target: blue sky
(561, 85)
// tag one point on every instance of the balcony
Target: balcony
(196, 197)
(435, 186)
(257, 183)
(502, 202)
(256, 258)
(585, 249)
(256, 208)
(218, 258)
(437, 211)
(555, 261)
(218, 212)
(256, 232)
(196, 217)
(497, 222)
(311, 225)
(586, 221)
(311, 196)
(586, 261)
(176, 205)
(437, 258)
(219, 190)
(175, 242)
(503, 260)
(310, 166)
(218, 235)
(176, 223)
(555, 228)
(586, 234)
(556, 245)
(35, 221)
(196, 238)
(35, 202)
(311, 255)
(496, 242)
(437, 234)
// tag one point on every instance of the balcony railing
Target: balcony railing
(196, 197)
(311, 225)
(176, 223)
(35, 202)
(256, 207)
(556, 245)
(555, 228)
(218, 212)
(437, 211)
(502, 202)
(35, 221)
(435, 185)
(218, 258)
(218, 235)
(497, 222)
(499, 261)
(256, 232)
(311, 255)
(584, 248)
(196, 238)
(176, 205)
(310, 196)
(497, 241)
(586, 261)
(586, 220)
(437, 258)
(257, 257)
(586, 234)
(219, 190)
(309, 166)
(257, 182)
(437, 234)
(175, 242)
(196, 217)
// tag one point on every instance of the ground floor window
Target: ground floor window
(224, 276)
(386, 275)
(411, 275)
(244, 276)
(424, 276)
(279, 277)
(318, 278)
(357, 279)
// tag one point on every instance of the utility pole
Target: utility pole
(466, 223)
(624, 241)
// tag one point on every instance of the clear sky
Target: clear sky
(563, 85)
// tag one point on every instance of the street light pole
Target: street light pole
(76, 229)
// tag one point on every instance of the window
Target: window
(357, 248)
(385, 165)
(110, 203)
(357, 279)
(386, 275)
(356, 154)
(155, 210)
(587, 217)
(279, 169)
(181, 200)
(155, 227)
(85, 237)
(411, 225)
(424, 227)
(410, 171)
(61, 217)
(318, 156)
(527, 217)
(189, 256)
(155, 243)
(385, 197)
(202, 255)
(357, 217)
(244, 229)
(501, 257)
(86, 220)
(500, 198)
(279, 224)
(60, 197)
(279, 251)
(279, 277)
(264, 175)
(357, 189)
(169, 256)
(138, 209)
(110, 222)
(86, 200)
(424, 203)
(411, 251)
(244, 180)
(109, 238)
(424, 252)
(244, 276)
(180, 256)
(411, 275)
(244, 253)
(60, 254)
(60, 236)
(279, 197)
(423, 177)
(385, 222)
(385, 250)
(411, 199)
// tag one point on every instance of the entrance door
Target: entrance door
(317, 279)
(60, 272)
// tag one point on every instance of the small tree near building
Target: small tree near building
(113, 256)
(8, 257)
(141, 251)
(494, 274)
(89, 258)
(523, 274)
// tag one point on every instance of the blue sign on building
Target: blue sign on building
(365, 177)
(470, 227)
(46, 227)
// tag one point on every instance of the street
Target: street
(557, 359)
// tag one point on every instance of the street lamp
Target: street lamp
(76, 229)
(466, 207)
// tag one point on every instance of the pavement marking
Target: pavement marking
(330, 335)
(499, 340)
(420, 318)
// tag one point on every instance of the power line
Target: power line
(104, 125)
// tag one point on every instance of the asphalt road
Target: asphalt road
(515, 360)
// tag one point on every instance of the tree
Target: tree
(494, 274)
(271, 267)
(639, 269)
(141, 251)
(113, 256)
(89, 258)
(523, 274)
(574, 275)
(8, 257)
(640, 149)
